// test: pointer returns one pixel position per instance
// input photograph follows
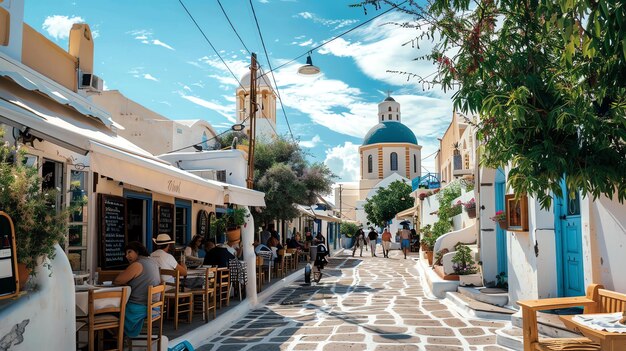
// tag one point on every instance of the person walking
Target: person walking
(405, 236)
(372, 236)
(386, 242)
(359, 241)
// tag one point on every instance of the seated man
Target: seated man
(164, 259)
(294, 242)
(219, 256)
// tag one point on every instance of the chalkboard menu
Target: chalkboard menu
(203, 223)
(112, 231)
(164, 218)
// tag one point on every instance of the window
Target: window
(77, 234)
(390, 116)
(389, 108)
(183, 222)
(221, 176)
(383, 117)
(414, 163)
(394, 161)
(369, 164)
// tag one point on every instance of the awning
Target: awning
(45, 119)
(307, 211)
(153, 174)
(408, 213)
(243, 196)
(326, 218)
(33, 81)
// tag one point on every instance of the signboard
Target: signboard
(164, 218)
(8, 259)
(112, 231)
(203, 224)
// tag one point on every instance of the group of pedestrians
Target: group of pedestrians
(362, 241)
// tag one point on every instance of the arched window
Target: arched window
(394, 161)
(369, 164)
(383, 117)
(389, 108)
(390, 116)
(414, 163)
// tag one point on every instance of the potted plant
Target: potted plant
(465, 266)
(232, 220)
(348, 230)
(470, 208)
(500, 218)
(39, 225)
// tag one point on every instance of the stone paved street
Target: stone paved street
(368, 303)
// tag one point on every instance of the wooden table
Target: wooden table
(609, 341)
(82, 298)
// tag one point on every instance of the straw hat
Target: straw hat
(163, 239)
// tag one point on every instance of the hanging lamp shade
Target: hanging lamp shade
(308, 69)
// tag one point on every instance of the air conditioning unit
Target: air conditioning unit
(91, 82)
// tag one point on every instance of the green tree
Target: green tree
(387, 202)
(348, 229)
(286, 178)
(547, 80)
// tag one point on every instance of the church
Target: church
(389, 152)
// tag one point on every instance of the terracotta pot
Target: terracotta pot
(503, 224)
(233, 235)
(429, 257)
(471, 212)
(23, 274)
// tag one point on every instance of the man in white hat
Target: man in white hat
(164, 259)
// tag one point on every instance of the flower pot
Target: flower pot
(23, 274)
(471, 280)
(233, 235)
(429, 257)
(503, 224)
(471, 212)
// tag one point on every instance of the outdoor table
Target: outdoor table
(268, 257)
(80, 277)
(82, 298)
(609, 341)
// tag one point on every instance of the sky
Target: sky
(152, 52)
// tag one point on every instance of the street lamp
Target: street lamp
(308, 69)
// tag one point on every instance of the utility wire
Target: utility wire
(256, 20)
(232, 26)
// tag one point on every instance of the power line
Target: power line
(258, 27)
(232, 26)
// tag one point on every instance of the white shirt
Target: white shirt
(165, 261)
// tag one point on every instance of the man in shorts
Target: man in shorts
(405, 240)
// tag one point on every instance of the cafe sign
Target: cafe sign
(203, 223)
(173, 186)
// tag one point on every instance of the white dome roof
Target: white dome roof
(263, 81)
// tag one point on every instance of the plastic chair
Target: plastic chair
(155, 309)
(182, 301)
(207, 294)
(109, 317)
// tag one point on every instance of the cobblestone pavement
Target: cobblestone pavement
(368, 303)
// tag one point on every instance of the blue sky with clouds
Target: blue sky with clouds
(152, 52)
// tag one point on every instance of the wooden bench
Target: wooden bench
(597, 300)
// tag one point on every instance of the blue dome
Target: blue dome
(390, 132)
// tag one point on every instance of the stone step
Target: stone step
(498, 297)
(478, 309)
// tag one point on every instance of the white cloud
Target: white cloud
(227, 111)
(343, 160)
(146, 37)
(311, 143)
(264, 1)
(148, 76)
(306, 43)
(59, 26)
(160, 43)
(336, 23)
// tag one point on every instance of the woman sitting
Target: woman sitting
(191, 252)
(275, 245)
(294, 242)
(140, 274)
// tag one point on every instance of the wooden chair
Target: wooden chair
(107, 276)
(106, 318)
(154, 313)
(292, 261)
(279, 266)
(597, 300)
(260, 273)
(223, 286)
(176, 300)
(207, 294)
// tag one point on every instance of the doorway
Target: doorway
(139, 214)
(569, 242)
(501, 234)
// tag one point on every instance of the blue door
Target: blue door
(501, 235)
(569, 243)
